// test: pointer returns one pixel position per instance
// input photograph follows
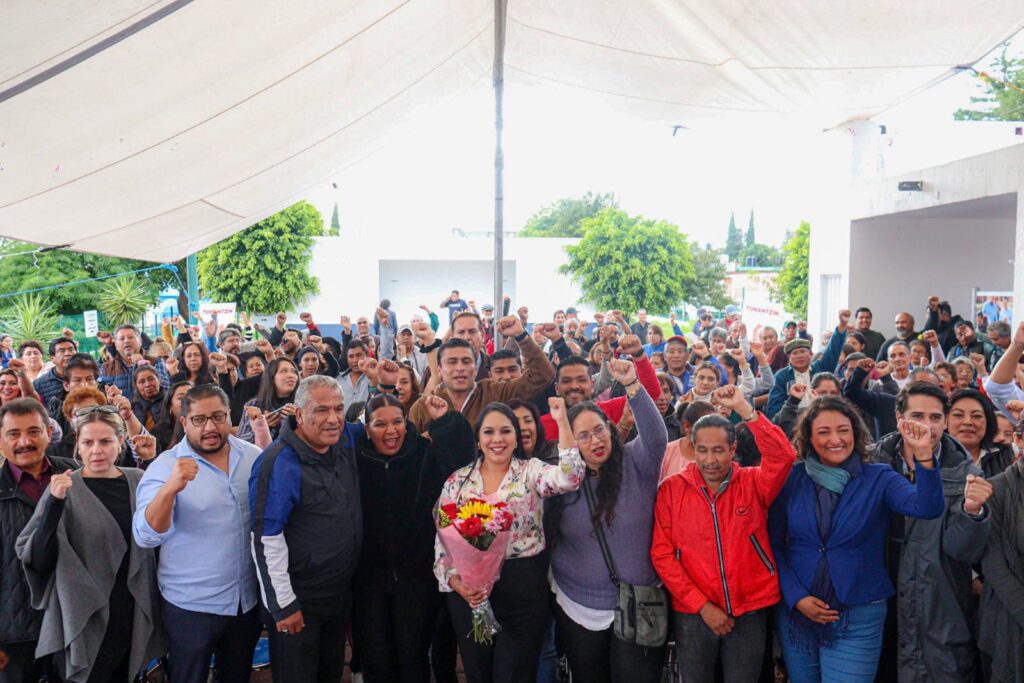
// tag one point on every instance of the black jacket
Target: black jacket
(305, 508)
(19, 623)
(875, 404)
(943, 330)
(398, 494)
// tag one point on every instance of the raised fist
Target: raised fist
(306, 317)
(185, 470)
(622, 371)
(556, 404)
(510, 326)
(436, 406)
(549, 330)
(630, 344)
(798, 391)
(145, 446)
(844, 318)
(59, 485)
(976, 492)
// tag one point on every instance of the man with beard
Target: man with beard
(574, 384)
(905, 332)
(193, 503)
(24, 476)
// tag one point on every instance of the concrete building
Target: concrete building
(890, 249)
(744, 283)
(357, 271)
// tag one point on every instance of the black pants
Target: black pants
(600, 657)
(194, 637)
(392, 625)
(520, 602)
(699, 649)
(22, 665)
(316, 654)
(444, 650)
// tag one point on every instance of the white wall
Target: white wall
(897, 263)
(356, 271)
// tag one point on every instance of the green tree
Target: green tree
(764, 255)
(750, 240)
(791, 285)
(707, 285)
(734, 240)
(565, 217)
(265, 268)
(1003, 98)
(629, 262)
(25, 271)
(335, 222)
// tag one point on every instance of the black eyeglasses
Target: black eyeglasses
(201, 420)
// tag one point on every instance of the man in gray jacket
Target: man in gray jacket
(930, 560)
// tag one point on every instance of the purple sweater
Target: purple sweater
(576, 561)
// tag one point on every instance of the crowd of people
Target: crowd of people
(728, 504)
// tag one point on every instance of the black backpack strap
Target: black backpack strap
(588, 492)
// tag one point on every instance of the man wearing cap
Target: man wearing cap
(801, 369)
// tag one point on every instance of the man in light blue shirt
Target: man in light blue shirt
(193, 503)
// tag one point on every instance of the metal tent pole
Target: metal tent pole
(500, 12)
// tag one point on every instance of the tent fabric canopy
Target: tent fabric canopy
(153, 128)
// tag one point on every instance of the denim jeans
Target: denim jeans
(741, 652)
(851, 658)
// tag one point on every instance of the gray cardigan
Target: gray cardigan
(76, 594)
(576, 561)
(1001, 626)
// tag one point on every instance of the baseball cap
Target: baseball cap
(487, 307)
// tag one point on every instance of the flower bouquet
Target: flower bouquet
(474, 535)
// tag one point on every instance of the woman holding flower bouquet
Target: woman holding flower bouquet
(400, 477)
(502, 482)
(623, 482)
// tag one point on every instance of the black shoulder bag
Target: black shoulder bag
(641, 612)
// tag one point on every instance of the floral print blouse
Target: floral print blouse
(524, 485)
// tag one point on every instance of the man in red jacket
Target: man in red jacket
(710, 544)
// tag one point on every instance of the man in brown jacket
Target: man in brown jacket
(467, 395)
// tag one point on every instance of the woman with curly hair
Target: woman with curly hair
(623, 480)
(828, 529)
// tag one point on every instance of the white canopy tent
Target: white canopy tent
(153, 128)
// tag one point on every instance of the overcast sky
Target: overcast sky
(438, 174)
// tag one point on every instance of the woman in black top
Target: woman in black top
(401, 474)
(97, 588)
(194, 365)
(168, 430)
(275, 398)
(148, 396)
(531, 430)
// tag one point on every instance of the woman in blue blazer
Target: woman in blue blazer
(828, 529)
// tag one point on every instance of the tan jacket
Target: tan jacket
(537, 375)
